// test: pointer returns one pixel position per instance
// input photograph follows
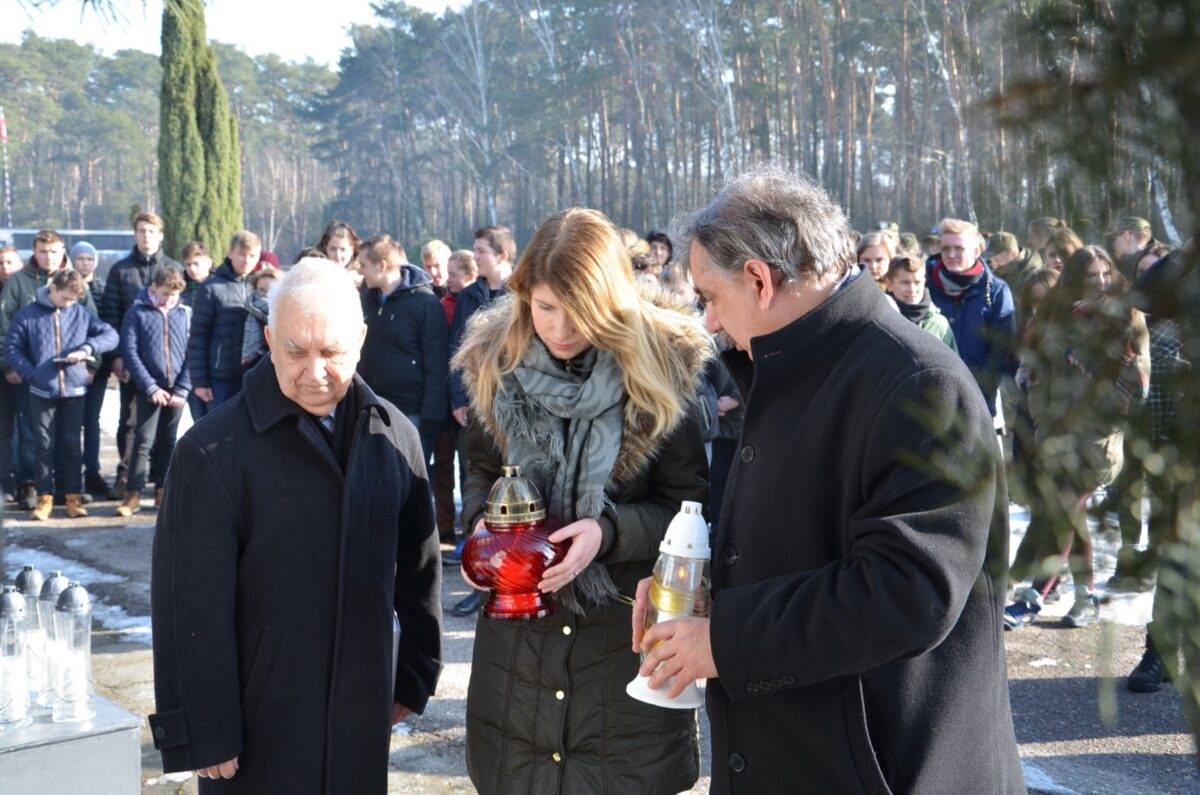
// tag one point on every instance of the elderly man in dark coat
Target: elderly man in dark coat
(297, 517)
(854, 642)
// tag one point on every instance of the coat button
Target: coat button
(160, 732)
(557, 757)
(776, 683)
(736, 763)
(747, 454)
(560, 695)
(789, 680)
(730, 555)
(752, 688)
(566, 630)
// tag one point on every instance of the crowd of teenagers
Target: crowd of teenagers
(1082, 388)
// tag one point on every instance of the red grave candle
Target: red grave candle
(513, 550)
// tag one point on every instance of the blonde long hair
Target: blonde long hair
(579, 255)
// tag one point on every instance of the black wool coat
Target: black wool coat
(275, 574)
(858, 579)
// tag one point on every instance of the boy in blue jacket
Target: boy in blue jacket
(47, 344)
(154, 343)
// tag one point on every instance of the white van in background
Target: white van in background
(111, 244)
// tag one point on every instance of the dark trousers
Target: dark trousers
(125, 427)
(223, 391)
(451, 440)
(93, 403)
(723, 451)
(154, 430)
(18, 450)
(61, 418)
(196, 406)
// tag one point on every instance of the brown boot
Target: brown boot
(45, 504)
(75, 507)
(158, 497)
(130, 505)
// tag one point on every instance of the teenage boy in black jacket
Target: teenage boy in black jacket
(404, 358)
(124, 282)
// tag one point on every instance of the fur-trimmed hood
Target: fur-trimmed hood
(690, 349)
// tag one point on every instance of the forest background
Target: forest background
(505, 111)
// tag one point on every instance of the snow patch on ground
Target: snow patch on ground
(1039, 780)
(1131, 609)
(47, 562)
(110, 617)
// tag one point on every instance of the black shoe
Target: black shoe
(29, 497)
(117, 492)
(95, 484)
(1150, 674)
(469, 605)
(85, 498)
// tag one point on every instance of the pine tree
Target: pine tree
(199, 173)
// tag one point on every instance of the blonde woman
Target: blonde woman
(585, 380)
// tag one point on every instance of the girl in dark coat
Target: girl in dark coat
(586, 383)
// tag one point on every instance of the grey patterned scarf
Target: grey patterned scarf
(563, 426)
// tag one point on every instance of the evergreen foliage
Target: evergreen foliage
(199, 172)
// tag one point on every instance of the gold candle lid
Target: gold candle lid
(514, 499)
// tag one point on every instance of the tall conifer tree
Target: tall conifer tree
(199, 173)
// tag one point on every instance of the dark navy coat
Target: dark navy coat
(218, 327)
(984, 325)
(41, 332)
(154, 346)
(126, 279)
(471, 299)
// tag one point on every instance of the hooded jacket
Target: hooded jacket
(405, 357)
(984, 324)
(154, 346)
(41, 332)
(21, 290)
(547, 710)
(218, 325)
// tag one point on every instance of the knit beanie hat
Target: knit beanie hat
(83, 247)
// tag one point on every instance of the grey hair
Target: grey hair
(316, 283)
(774, 215)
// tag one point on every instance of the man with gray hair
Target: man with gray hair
(854, 642)
(297, 518)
